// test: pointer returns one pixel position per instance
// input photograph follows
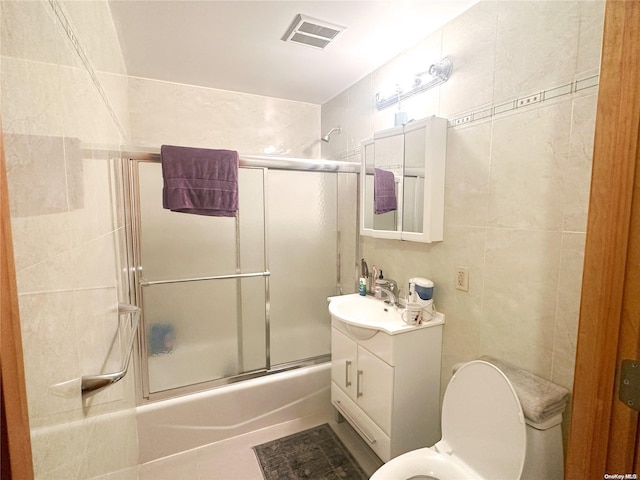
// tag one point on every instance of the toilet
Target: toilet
(485, 435)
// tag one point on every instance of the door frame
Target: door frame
(16, 434)
(603, 432)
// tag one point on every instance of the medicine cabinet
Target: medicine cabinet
(409, 159)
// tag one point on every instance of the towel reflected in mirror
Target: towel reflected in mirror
(384, 191)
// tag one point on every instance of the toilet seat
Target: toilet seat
(424, 462)
(483, 432)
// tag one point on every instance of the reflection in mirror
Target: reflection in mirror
(413, 184)
(388, 158)
(384, 191)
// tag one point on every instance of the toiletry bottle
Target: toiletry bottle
(364, 273)
(363, 286)
(372, 283)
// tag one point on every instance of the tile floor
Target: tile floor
(234, 459)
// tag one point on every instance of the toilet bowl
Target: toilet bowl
(483, 432)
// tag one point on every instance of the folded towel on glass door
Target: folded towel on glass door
(200, 180)
(384, 191)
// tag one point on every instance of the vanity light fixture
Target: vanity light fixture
(437, 74)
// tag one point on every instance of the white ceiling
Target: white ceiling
(237, 45)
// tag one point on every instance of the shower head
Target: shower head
(326, 138)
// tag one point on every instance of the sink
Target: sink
(366, 312)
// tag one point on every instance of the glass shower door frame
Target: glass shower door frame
(132, 201)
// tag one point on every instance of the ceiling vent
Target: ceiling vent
(312, 32)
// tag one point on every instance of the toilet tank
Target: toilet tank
(545, 455)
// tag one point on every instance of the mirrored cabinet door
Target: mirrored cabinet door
(402, 190)
(383, 158)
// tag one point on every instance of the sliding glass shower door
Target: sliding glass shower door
(302, 233)
(222, 297)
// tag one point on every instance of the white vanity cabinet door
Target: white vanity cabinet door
(374, 388)
(344, 352)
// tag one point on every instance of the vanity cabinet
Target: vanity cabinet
(415, 154)
(366, 379)
(387, 386)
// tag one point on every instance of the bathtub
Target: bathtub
(171, 426)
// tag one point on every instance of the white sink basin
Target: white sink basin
(370, 313)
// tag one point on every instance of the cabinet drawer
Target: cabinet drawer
(374, 437)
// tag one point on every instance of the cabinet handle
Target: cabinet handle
(358, 392)
(347, 365)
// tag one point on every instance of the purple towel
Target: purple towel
(384, 191)
(200, 181)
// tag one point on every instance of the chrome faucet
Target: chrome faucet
(391, 298)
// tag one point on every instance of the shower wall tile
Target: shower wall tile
(361, 104)
(28, 233)
(470, 42)
(36, 165)
(85, 449)
(590, 35)
(95, 27)
(576, 176)
(83, 119)
(151, 107)
(519, 293)
(116, 88)
(467, 184)
(287, 125)
(48, 329)
(464, 246)
(27, 32)
(536, 46)
(64, 222)
(221, 113)
(336, 115)
(110, 443)
(31, 101)
(167, 113)
(528, 153)
(569, 293)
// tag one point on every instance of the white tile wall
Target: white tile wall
(517, 183)
(65, 230)
(169, 113)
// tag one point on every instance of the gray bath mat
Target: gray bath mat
(315, 454)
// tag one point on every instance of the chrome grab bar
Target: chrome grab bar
(146, 283)
(93, 383)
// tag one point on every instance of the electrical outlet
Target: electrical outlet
(462, 278)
